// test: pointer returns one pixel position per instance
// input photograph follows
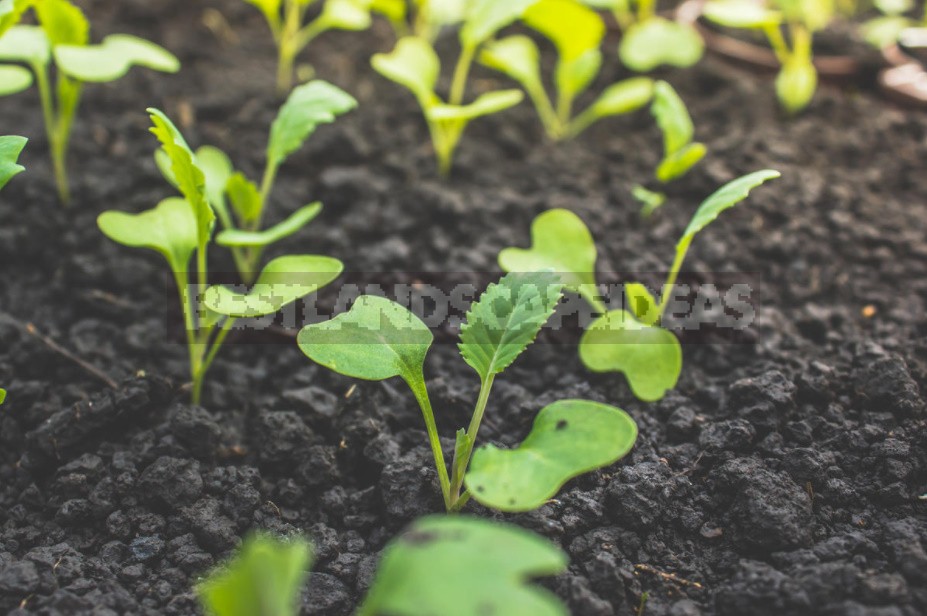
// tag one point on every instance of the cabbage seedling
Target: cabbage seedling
(178, 228)
(633, 341)
(798, 78)
(378, 339)
(455, 566)
(10, 149)
(415, 65)
(287, 21)
(62, 39)
(307, 107)
(648, 40)
(883, 31)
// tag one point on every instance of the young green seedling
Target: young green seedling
(432, 15)
(62, 39)
(883, 31)
(798, 78)
(454, 566)
(179, 227)
(648, 40)
(10, 149)
(415, 65)
(379, 339)
(308, 106)
(291, 32)
(631, 341)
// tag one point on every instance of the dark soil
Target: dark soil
(785, 475)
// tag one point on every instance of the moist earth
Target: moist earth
(786, 473)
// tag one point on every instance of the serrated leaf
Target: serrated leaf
(680, 162)
(10, 149)
(487, 104)
(658, 41)
(624, 97)
(113, 58)
(27, 44)
(191, 181)
(14, 79)
(724, 198)
(265, 578)
(650, 357)
(169, 228)
(506, 319)
(672, 118)
(414, 64)
(376, 339)
(569, 438)
(293, 223)
(283, 281)
(461, 566)
(308, 106)
(516, 56)
(245, 197)
(486, 17)
(63, 22)
(561, 243)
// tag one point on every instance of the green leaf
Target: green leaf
(14, 79)
(346, 14)
(623, 97)
(112, 59)
(10, 149)
(270, 9)
(413, 64)
(264, 579)
(680, 162)
(486, 17)
(569, 438)
(189, 177)
(650, 200)
(462, 566)
(27, 44)
(516, 56)
(796, 84)
(672, 118)
(283, 281)
(572, 28)
(650, 357)
(217, 170)
(169, 228)
(245, 198)
(63, 22)
(394, 10)
(506, 319)
(657, 41)
(296, 221)
(724, 198)
(642, 303)
(10, 13)
(560, 242)
(893, 7)
(883, 31)
(2, 396)
(737, 14)
(311, 104)
(487, 104)
(376, 339)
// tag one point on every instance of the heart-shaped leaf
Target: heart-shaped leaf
(169, 228)
(266, 577)
(376, 339)
(650, 357)
(413, 64)
(10, 149)
(561, 243)
(461, 566)
(27, 44)
(569, 438)
(283, 281)
(296, 221)
(113, 58)
(506, 319)
(657, 41)
(486, 17)
(308, 106)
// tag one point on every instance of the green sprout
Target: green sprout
(649, 41)
(378, 339)
(10, 149)
(415, 65)
(63, 37)
(632, 342)
(307, 107)
(455, 566)
(432, 15)
(883, 31)
(179, 227)
(798, 78)
(292, 34)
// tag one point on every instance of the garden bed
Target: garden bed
(785, 474)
